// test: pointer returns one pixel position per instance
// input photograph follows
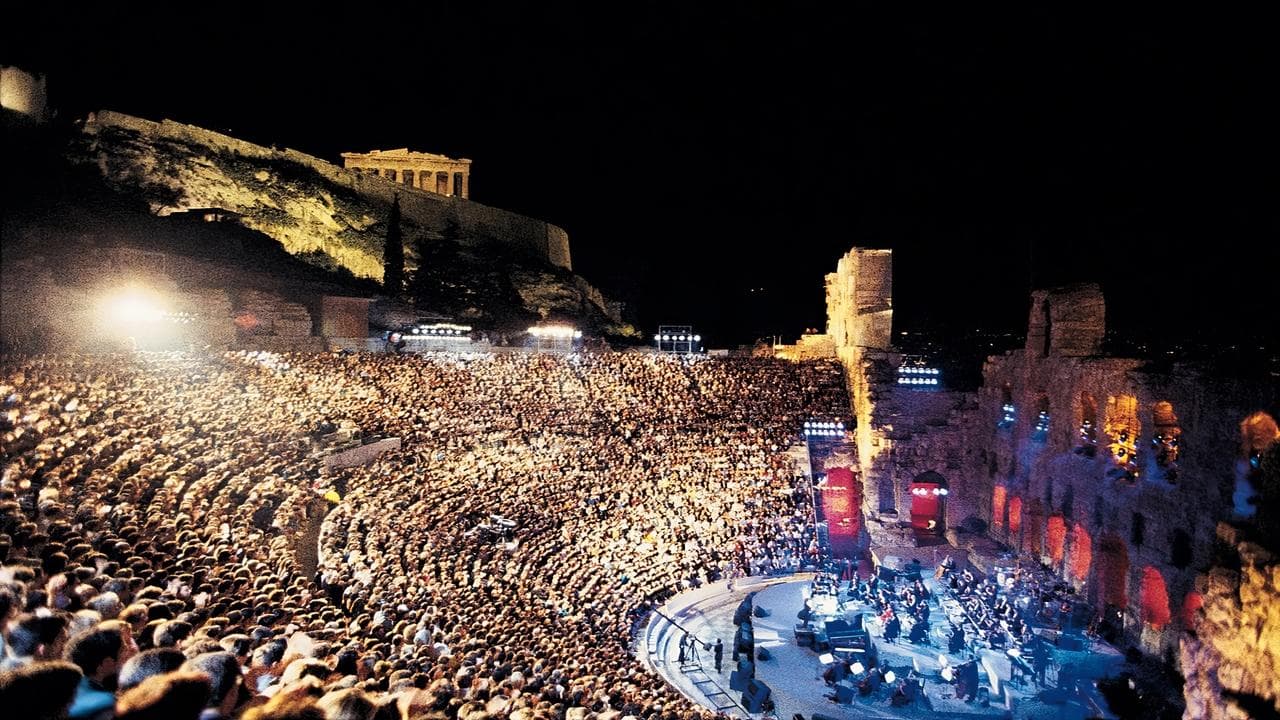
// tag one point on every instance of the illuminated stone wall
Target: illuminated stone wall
(1119, 484)
(1231, 659)
(1148, 520)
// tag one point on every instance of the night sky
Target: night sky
(711, 164)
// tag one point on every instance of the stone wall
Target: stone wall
(1069, 321)
(860, 300)
(1138, 525)
(306, 203)
(1231, 657)
(1114, 472)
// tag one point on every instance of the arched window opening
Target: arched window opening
(1154, 598)
(1182, 553)
(1190, 608)
(1138, 529)
(1113, 571)
(1041, 432)
(1056, 538)
(1015, 515)
(1008, 412)
(1258, 433)
(1122, 427)
(1081, 553)
(997, 506)
(1087, 444)
(1167, 439)
(928, 503)
(1033, 537)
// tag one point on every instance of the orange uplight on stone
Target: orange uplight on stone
(997, 506)
(1155, 598)
(1015, 514)
(1190, 608)
(1081, 553)
(1056, 534)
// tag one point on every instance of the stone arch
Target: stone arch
(929, 492)
(1191, 605)
(1182, 553)
(1056, 538)
(1112, 561)
(1008, 410)
(1087, 441)
(1154, 598)
(1258, 433)
(998, 495)
(1166, 439)
(1041, 432)
(1123, 427)
(1033, 524)
(1081, 553)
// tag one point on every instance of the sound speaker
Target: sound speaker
(844, 693)
(754, 696)
(763, 654)
(761, 612)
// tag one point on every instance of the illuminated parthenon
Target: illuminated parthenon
(425, 171)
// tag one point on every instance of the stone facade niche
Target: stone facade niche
(1166, 440)
(1122, 427)
(423, 171)
(1087, 440)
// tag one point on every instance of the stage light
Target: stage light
(697, 338)
(132, 307)
(942, 660)
(657, 338)
(889, 677)
(858, 669)
(948, 674)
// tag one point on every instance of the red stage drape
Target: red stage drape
(841, 500)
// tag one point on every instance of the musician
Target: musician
(892, 628)
(919, 634)
(955, 643)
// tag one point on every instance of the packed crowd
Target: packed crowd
(161, 518)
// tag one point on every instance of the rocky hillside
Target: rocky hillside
(482, 265)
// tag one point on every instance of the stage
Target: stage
(794, 674)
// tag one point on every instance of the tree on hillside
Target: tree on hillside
(393, 253)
